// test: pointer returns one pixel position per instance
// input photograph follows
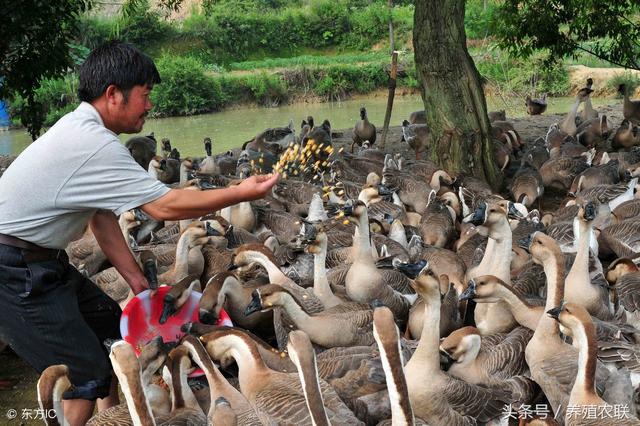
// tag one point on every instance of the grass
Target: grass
(308, 60)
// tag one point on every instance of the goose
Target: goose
(85, 253)
(605, 174)
(624, 275)
(52, 384)
(552, 362)
(593, 132)
(626, 136)
(127, 368)
(225, 291)
(364, 282)
(417, 136)
(497, 115)
(437, 225)
(568, 125)
(222, 413)
(527, 186)
(208, 165)
(627, 210)
(187, 166)
(321, 288)
(177, 296)
(492, 361)
(388, 341)
(363, 130)
(614, 195)
(219, 387)
(630, 109)
(142, 148)
(443, 400)
(326, 329)
(536, 106)
(151, 359)
(450, 317)
(185, 409)
(189, 258)
(623, 238)
(505, 133)
(587, 113)
(583, 392)
(560, 172)
(369, 152)
(418, 117)
(578, 287)
(257, 253)
(277, 398)
(494, 317)
(528, 310)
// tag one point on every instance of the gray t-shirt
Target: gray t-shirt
(51, 191)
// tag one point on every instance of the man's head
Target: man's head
(117, 78)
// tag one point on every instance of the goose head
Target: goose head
(207, 146)
(248, 254)
(461, 347)
(484, 289)
(221, 343)
(354, 210)
(153, 355)
(572, 318)
(210, 303)
(178, 296)
(541, 246)
(166, 145)
(319, 242)
(427, 284)
(198, 233)
(492, 213)
(149, 268)
(267, 297)
(124, 361)
(619, 268)
(411, 270)
(587, 211)
(452, 201)
(363, 113)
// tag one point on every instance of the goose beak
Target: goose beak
(376, 303)
(477, 218)
(513, 212)
(446, 361)
(555, 313)
(168, 309)
(163, 165)
(627, 175)
(470, 292)
(411, 270)
(525, 243)
(140, 215)
(589, 211)
(108, 343)
(348, 208)
(254, 306)
(384, 190)
(211, 232)
(150, 270)
(232, 267)
(207, 317)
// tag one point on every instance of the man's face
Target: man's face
(131, 112)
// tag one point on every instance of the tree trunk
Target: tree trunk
(454, 101)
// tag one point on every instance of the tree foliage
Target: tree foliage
(34, 41)
(607, 29)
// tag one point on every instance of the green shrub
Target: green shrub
(143, 27)
(185, 88)
(479, 18)
(627, 78)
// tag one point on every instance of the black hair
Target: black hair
(117, 63)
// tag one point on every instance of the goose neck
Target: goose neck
(427, 353)
(137, 402)
(585, 336)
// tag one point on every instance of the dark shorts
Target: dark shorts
(51, 314)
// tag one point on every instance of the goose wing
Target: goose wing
(623, 238)
(478, 402)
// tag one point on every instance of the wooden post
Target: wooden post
(392, 91)
(392, 43)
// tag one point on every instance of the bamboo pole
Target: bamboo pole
(392, 91)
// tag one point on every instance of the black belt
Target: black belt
(31, 252)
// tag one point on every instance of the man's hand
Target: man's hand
(255, 187)
(138, 285)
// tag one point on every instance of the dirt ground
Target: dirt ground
(22, 398)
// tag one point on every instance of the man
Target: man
(78, 174)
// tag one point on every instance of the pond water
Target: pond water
(230, 128)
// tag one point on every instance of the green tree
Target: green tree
(34, 41)
(607, 29)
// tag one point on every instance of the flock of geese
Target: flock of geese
(382, 290)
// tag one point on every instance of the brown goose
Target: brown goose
(219, 387)
(527, 184)
(437, 226)
(623, 238)
(493, 361)
(184, 406)
(277, 398)
(388, 341)
(443, 400)
(536, 106)
(417, 136)
(624, 275)
(364, 130)
(327, 329)
(626, 136)
(418, 117)
(593, 132)
(614, 195)
(630, 109)
(560, 172)
(604, 174)
(52, 384)
(583, 392)
(627, 210)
